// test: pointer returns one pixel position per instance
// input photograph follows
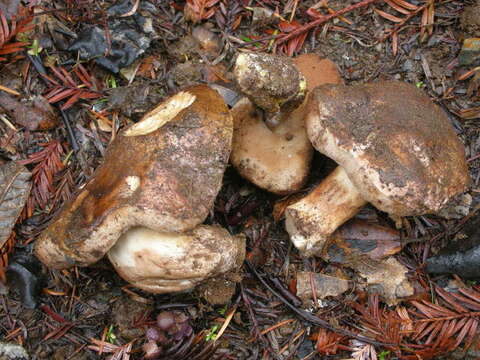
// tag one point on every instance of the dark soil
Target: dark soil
(81, 304)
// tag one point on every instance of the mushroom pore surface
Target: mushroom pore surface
(166, 180)
(278, 159)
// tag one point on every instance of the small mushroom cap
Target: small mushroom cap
(166, 262)
(398, 148)
(270, 81)
(317, 71)
(165, 178)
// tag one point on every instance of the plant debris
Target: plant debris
(254, 312)
(14, 190)
(117, 46)
(319, 286)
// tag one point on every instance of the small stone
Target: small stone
(9, 351)
(470, 52)
(324, 285)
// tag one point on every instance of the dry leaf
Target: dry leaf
(358, 238)
(362, 351)
(327, 342)
(388, 277)
(14, 190)
(323, 285)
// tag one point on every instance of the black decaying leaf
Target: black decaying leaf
(462, 254)
(14, 190)
(23, 274)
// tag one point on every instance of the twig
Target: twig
(312, 318)
(257, 333)
(8, 90)
(133, 10)
(399, 26)
(35, 60)
(8, 123)
(322, 20)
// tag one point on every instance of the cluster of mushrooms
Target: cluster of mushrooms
(145, 205)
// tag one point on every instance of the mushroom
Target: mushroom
(396, 150)
(169, 262)
(278, 159)
(271, 82)
(163, 173)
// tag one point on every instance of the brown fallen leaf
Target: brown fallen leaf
(14, 190)
(386, 277)
(363, 247)
(36, 114)
(323, 285)
(359, 238)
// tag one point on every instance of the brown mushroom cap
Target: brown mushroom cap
(165, 262)
(278, 159)
(166, 179)
(397, 147)
(317, 71)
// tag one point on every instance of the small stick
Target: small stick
(8, 123)
(322, 20)
(35, 60)
(8, 90)
(305, 315)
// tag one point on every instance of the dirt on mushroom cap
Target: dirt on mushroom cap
(166, 180)
(270, 81)
(398, 147)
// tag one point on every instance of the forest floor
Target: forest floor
(91, 313)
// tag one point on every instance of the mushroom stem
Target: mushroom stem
(161, 262)
(312, 220)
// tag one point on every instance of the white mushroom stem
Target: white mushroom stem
(167, 262)
(312, 220)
